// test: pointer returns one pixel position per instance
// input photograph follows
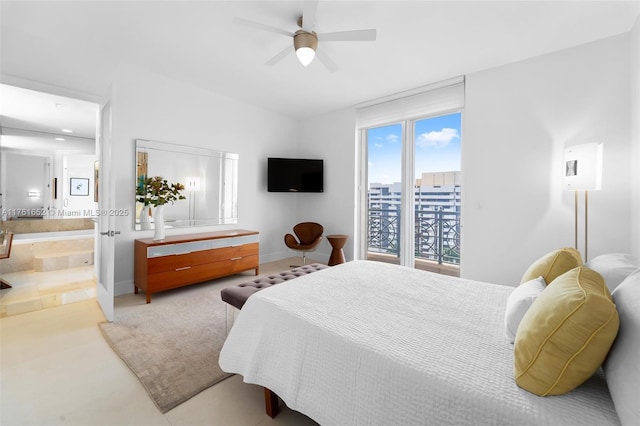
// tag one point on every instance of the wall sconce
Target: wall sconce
(193, 183)
(583, 172)
(33, 194)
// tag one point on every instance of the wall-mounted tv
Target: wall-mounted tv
(295, 175)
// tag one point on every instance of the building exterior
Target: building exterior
(437, 217)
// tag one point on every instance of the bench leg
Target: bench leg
(271, 403)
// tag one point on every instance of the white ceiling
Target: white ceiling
(418, 42)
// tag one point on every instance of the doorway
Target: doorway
(53, 255)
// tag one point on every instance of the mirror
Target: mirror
(210, 180)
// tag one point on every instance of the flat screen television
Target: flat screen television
(295, 175)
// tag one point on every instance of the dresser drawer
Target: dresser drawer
(241, 264)
(178, 261)
(234, 252)
(177, 278)
(192, 274)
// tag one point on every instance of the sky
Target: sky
(436, 144)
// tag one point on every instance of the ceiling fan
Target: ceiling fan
(305, 40)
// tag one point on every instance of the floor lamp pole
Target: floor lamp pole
(575, 221)
(586, 222)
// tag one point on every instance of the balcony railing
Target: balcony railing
(437, 234)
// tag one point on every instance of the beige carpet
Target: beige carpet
(173, 345)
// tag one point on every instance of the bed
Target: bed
(372, 343)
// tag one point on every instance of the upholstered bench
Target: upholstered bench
(237, 295)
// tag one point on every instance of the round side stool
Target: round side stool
(337, 242)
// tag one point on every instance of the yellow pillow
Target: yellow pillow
(552, 265)
(566, 334)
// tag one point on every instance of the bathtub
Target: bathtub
(35, 237)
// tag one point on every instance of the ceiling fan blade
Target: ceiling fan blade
(355, 35)
(261, 26)
(280, 56)
(309, 8)
(326, 61)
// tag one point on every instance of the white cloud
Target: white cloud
(392, 138)
(437, 139)
(378, 145)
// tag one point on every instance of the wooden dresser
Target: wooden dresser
(181, 260)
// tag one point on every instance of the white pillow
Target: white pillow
(614, 267)
(622, 366)
(518, 303)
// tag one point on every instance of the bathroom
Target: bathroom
(48, 196)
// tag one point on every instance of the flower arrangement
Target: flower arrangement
(156, 191)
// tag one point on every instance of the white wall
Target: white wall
(149, 106)
(332, 138)
(517, 121)
(634, 51)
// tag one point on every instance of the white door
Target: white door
(105, 238)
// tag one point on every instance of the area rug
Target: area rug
(173, 343)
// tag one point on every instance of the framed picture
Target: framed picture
(79, 186)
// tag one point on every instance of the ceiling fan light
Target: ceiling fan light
(305, 55)
(305, 44)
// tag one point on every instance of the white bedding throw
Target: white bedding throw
(367, 343)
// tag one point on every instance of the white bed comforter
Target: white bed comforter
(367, 343)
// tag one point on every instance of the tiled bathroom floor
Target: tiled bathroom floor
(38, 290)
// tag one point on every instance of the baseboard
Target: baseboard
(124, 287)
(274, 257)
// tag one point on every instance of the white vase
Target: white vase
(158, 220)
(145, 221)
